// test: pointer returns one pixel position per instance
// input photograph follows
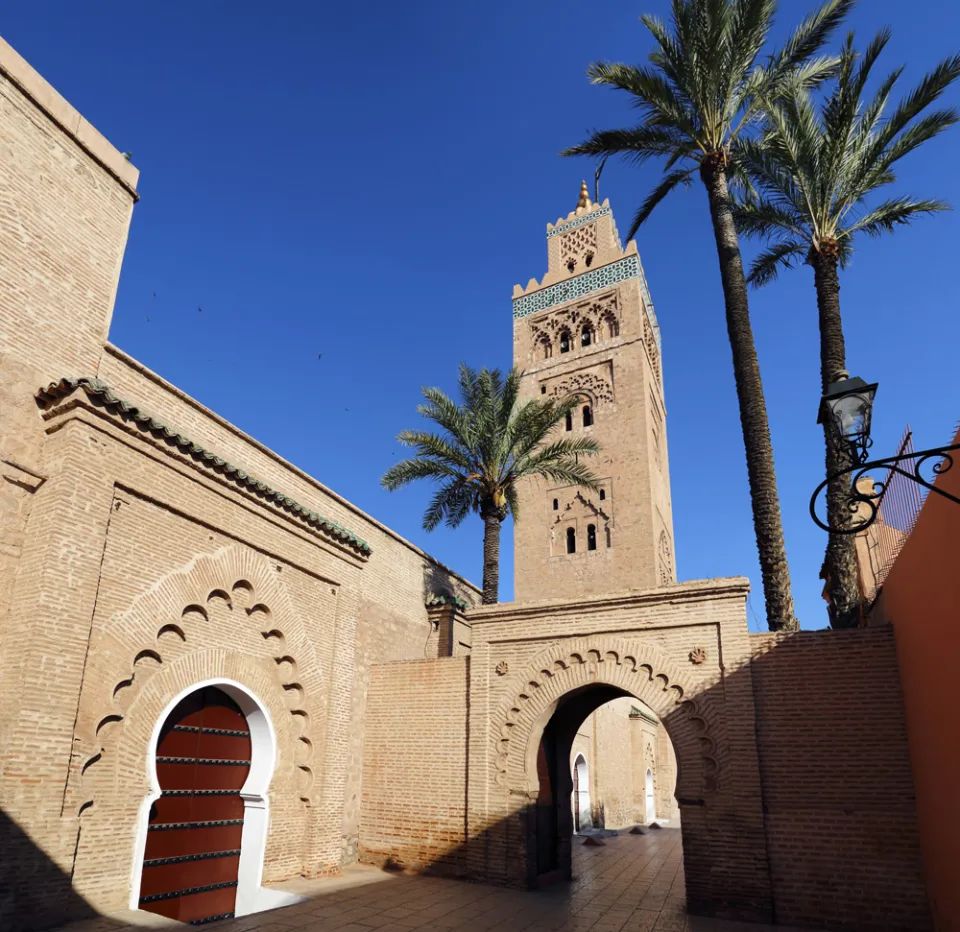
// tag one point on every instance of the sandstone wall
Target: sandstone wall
(414, 767)
(614, 764)
(837, 786)
(103, 512)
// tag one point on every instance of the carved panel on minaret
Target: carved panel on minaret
(600, 316)
(578, 247)
(665, 551)
(653, 351)
(595, 383)
(580, 509)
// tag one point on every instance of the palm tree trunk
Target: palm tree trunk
(491, 556)
(753, 409)
(841, 562)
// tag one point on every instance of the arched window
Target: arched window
(586, 335)
(571, 540)
(587, 416)
(556, 504)
(543, 389)
(545, 347)
(571, 265)
(569, 421)
(565, 341)
(588, 259)
(613, 326)
(591, 537)
(603, 494)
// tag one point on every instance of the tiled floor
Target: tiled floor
(633, 883)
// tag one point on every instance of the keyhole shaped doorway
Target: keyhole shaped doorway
(192, 855)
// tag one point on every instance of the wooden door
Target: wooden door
(193, 838)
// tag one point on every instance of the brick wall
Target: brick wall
(614, 764)
(414, 766)
(837, 787)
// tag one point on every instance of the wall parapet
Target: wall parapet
(17, 70)
(699, 590)
(101, 394)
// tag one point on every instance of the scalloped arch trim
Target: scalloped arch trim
(632, 666)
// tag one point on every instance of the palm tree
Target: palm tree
(698, 97)
(489, 442)
(809, 177)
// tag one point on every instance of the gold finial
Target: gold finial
(584, 196)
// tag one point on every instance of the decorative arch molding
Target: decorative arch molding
(225, 615)
(587, 385)
(601, 314)
(640, 670)
(251, 896)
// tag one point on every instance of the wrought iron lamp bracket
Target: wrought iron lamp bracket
(914, 462)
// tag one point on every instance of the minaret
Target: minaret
(589, 329)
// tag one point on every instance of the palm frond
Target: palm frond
(759, 217)
(409, 470)
(885, 217)
(809, 37)
(669, 182)
(431, 445)
(765, 268)
(636, 144)
(492, 439)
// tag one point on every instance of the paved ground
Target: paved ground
(634, 883)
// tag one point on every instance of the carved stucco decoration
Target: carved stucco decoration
(601, 314)
(259, 634)
(502, 668)
(638, 669)
(697, 656)
(595, 386)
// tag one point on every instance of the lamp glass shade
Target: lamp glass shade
(849, 405)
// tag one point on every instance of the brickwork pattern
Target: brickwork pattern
(618, 375)
(837, 785)
(707, 710)
(414, 800)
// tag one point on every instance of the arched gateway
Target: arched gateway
(538, 669)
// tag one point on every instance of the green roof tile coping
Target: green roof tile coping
(100, 392)
(445, 598)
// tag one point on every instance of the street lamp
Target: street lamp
(847, 407)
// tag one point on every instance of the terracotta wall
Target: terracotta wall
(921, 597)
(840, 816)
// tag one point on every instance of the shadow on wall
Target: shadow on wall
(811, 846)
(34, 892)
(437, 581)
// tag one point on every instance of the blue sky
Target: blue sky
(367, 182)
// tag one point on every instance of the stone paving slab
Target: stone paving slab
(632, 884)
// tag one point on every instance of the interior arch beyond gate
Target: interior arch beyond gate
(713, 733)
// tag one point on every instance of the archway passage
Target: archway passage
(633, 771)
(192, 853)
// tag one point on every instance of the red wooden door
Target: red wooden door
(193, 839)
